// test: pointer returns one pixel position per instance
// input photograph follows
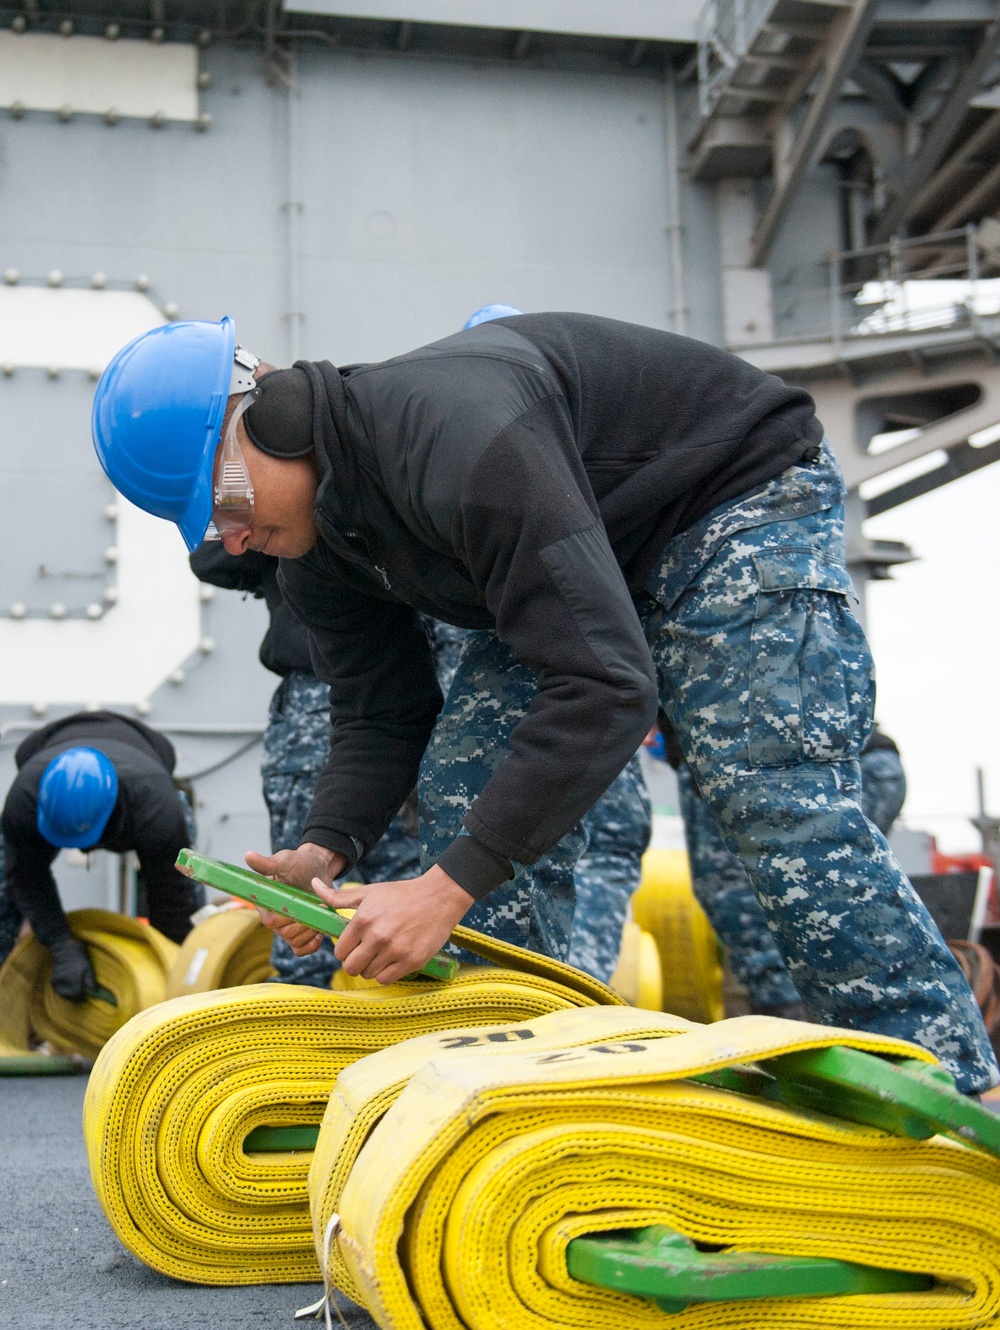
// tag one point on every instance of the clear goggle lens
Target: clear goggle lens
(232, 509)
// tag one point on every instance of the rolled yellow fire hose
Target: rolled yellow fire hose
(174, 1096)
(131, 961)
(666, 907)
(366, 1090)
(460, 1205)
(639, 974)
(228, 948)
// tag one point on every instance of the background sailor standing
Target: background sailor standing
(638, 519)
(95, 780)
(297, 741)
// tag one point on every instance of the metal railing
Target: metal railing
(726, 30)
(919, 284)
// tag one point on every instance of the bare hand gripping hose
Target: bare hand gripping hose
(175, 1096)
(463, 1199)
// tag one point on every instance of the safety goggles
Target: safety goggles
(232, 509)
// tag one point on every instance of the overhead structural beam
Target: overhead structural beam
(957, 167)
(963, 460)
(880, 89)
(972, 203)
(847, 36)
(925, 162)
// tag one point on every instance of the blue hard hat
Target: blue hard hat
(76, 794)
(158, 413)
(488, 313)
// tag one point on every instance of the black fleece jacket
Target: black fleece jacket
(284, 649)
(147, 817)
(521, 476)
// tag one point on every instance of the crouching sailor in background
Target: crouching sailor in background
(94, 780)
(297, 745)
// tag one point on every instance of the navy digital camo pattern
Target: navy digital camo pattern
(720, 883)
(296, 746)
(723, 888)
(616, 830)
(607, 874)
(446, 642)
(490, 693)
(883, 787)
(11, 917)
(767, 679)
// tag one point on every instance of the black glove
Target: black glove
(72, 975)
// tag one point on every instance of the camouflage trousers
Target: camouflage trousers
(296, 746)
(607, 874)
(767, 679)
(883, 787)
(572, 903)
(724, 891)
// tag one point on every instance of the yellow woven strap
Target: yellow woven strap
(665, 907)
(226, 949)
(639, 974)
(174, 1095)
(366, 1090)
(507, 956)
(130, 960)
(460, 1205)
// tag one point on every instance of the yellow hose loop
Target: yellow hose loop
(459, 1207)
(665, 906)
(174, 1095)
(638, 976)
(130, 959)
(505, 954)
(367, 1089)
(226, 949)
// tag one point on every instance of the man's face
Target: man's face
(284, 491)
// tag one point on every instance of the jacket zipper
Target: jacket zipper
(355, 537)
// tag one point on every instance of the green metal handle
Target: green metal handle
(904, 1097)
(297, 904)
(666, 1266)
(41, 1064)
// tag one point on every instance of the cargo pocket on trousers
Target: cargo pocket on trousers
(812, 689)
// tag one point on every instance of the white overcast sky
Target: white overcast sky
(935, 633)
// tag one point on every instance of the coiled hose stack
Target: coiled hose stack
(174, 1097)
(449, 1203)
(131, 962)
